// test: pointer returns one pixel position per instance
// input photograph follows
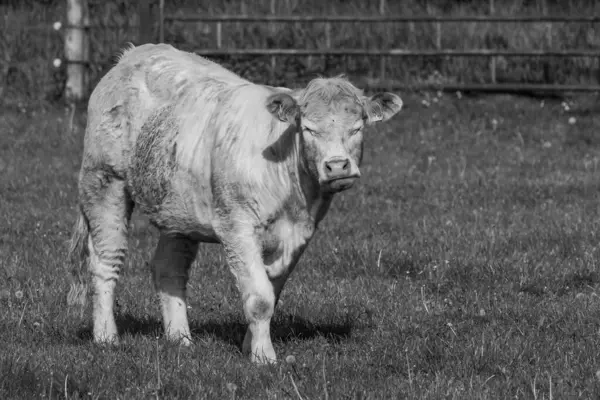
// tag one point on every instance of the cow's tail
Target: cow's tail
(78, 259)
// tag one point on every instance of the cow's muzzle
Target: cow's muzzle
(339, 175)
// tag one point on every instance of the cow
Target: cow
(210, 157)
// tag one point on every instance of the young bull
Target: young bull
(211, 157)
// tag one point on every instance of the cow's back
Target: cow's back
(144, 80)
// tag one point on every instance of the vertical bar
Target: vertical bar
(438, 32)
(309, 59)
(86, 47)
(327, 41)
(271, 28)
(438, 40)
(219, 35)
(145, 13)
(548, 25)
(76, 50)
(411, 41)
(161, 21)
(598, 72)
(382, 58)
(239, 26)
(548, 61)
(492, 58)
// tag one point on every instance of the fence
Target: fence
(76, 45)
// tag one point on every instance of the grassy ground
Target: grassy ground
(464, 266)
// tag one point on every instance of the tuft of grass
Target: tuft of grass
(464, 265)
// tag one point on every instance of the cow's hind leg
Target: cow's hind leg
(107, 208)
(172, 260)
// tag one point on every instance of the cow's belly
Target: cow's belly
(185, 209)
(176, 221)
(189, 211)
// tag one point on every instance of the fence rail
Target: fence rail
(530, 88)
(397, 52)
(78, 25)
(374, 18)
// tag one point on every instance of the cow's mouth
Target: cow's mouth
(340, 184)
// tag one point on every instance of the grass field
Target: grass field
(464, 266)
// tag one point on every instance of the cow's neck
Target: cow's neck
(285, 235)
(307, 199)
(300, 200)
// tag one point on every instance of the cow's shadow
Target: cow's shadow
(284, 328)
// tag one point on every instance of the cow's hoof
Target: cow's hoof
(263, 355)
(260, 352)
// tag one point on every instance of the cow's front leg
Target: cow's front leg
(256, 290)
(172, 260)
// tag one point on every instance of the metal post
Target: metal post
(492, 59)
(161, 21)
(549, 78)
(219, 34)
(145, 34)
(327, 41)
(271, 28)
(438, 33)
(382, 59)
(309, 59)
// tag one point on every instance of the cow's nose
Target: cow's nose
(336, 169)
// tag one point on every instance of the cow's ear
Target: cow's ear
(283, 107)
(382, 106)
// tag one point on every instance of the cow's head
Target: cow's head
(331, 114)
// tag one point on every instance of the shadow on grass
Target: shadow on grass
(284, 328)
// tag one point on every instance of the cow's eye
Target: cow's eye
(314, 133)
(355, 131)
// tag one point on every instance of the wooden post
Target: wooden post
(76, 50)
(145, 34)
(382, 59)
(492, 58)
